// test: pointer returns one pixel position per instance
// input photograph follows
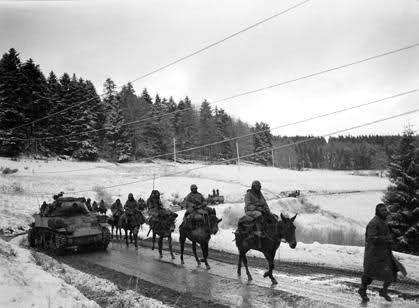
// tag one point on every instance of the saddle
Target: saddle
(247, 226)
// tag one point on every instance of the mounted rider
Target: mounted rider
(102, 207)
(89, 205)
(156, 209)
(116, 208)
(196, 206)
(132, 211)
(256, 207)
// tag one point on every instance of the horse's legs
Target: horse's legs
(169, 239)
(239, 265)
(161, 246)
(182, 240)
(244, 258)
(126, 235)
(154, 240)
(204, 248)
(135, 234)
(270, 257)
(194, 253)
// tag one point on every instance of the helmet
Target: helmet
(256, 183)
(193, 186)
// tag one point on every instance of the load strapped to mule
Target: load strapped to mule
(67, 224)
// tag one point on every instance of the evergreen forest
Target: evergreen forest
(69, 118)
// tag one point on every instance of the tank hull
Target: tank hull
(60, 234)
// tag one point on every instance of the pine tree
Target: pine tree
(12, 111)
(402, 195)
(118, 143)
(207, 129)
(186, 126)
(36, 104)
(223, 131)
(262, 142)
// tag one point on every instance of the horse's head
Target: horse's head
(213, 221)
(287, 230)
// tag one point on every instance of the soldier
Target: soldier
(195, 202)
(155, 208)
(95, 207)
(141, 204)
(256, 206)
(43, 208)
(131, 209)
(131, 206)
(89, 205)
(379, 262)
(116, 208)
(102, 207)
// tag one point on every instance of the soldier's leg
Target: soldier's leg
(384, 291)
(362, 291)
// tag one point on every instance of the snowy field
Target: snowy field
(334, 209)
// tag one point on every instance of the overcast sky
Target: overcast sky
(126, 39)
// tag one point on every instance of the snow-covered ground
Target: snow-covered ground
(326, 214)
(37, 280)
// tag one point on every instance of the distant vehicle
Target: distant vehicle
(294, 194)
(213, 200)
(68, 224)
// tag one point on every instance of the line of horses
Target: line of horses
(277, 230)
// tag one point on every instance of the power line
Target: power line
(177, 60)
(240, 94)
(317, 73)
(264, 151)
(288, 124)
(266, 130)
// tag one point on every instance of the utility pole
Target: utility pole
(289, 162)
(273, 159)
(237, 151)
(174, 149)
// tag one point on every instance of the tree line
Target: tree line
(99, 126)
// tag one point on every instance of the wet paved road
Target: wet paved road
(221, 284)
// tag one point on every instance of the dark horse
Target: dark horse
(113, 221)
(163, 227)
(131, 224)
(275, 231)
(199, 234)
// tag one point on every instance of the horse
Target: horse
(163, 227)
(276, 231)
(199, 234)
(132, 224)
(113, 221)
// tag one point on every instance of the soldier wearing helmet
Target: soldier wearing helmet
(256, 206)
(195, 201)
(131, 206)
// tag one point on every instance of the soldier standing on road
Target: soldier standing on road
(379, 262)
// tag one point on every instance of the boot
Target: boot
(363, 293)
(383, 293)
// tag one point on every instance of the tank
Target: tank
(67, 224)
